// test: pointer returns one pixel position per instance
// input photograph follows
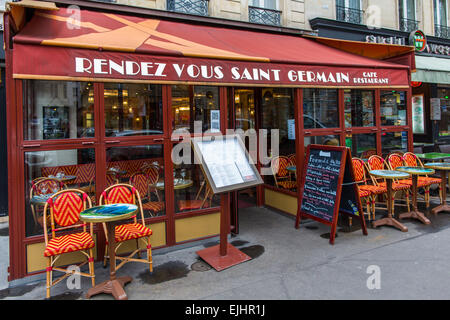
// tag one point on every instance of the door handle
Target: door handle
(112, 142)
(32, 146)
(87, 143)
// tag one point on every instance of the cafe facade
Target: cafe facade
(94, 97)
(430, 83)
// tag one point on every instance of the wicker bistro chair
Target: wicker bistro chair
(378, 163)
(367, 193)
(143, 183)
(198, 203)
(280, 174)
(64, 208)
(42, 187)
(136, 230)
(410, 159)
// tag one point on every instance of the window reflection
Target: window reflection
(393, 108)
(362, 145)
(133, 109)
(57, 110)
(192, 191)
(195, 103)
(394, 142)
(143, 168)
(320, 108)
(359, 108)
(47, 172)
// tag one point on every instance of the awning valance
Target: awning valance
(432, 70)
(84, 44)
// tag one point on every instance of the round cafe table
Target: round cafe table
(64, 178)
(443, 167)
(111, 215)
(177, 184)
(389, 175)
(415, 172)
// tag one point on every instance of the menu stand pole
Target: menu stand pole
(224, 255)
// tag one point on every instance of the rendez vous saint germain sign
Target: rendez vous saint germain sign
(212, 72)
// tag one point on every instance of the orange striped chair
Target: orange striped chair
(40, 187)
(143, 182)
(366, 190)
(64, 208)
(410, 159)
(198, 203)
(377, 163)
(136, 230)
(280, 174)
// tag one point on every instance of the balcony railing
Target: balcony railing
(441, 31)
(264, 16)
(408, 25)
(349, 15)
(197, 7)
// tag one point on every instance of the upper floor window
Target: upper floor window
(407, 15)
(440, 19)
(264, 12)
(197, 7)
(349, 11)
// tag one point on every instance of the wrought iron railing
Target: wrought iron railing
(349, 15)
(264, 16)
(408, 25)
(441, 31)
(197, 7)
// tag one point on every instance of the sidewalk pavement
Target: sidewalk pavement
(289, 264)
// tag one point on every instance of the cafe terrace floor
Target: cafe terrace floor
(287, 264)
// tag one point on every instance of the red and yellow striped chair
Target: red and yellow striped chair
(410, 159)
(143, 183)
(280, 174)
(41, 187)
(377, 163)
(366, 190)
(198, 203)
(64, 208)
(136, 230)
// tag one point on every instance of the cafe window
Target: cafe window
(393, 105)
(328, 140)
(196, 103)
(57, 110)
(278, 118)
(359, 108)
(362, 145)
(192, 191)
(394, 142)
(320, 108)
(47, 172)
(142, 167)
(133, 109)
(444, 123)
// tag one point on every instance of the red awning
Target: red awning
(69, 44)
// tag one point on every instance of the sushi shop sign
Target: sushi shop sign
(418, 40)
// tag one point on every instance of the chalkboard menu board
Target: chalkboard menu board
(328, 187)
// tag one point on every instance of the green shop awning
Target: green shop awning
(432, 70)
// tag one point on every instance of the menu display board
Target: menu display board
(328, 187)
(226, 163)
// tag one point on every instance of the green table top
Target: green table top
(108, 213)
(438, 165)
(389, 174)
(433, 156)
(415, 170)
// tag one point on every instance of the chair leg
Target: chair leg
(137, 247)
(407, 200)
(49, 276)
(149, 255)
(104, 256)
(427, 196)
(91, 267)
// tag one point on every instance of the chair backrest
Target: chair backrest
(395, 160)
(111, 179)
(122, 193)
(141, 181)
(376, 162)
(411, 159)
(359, 169)
(65, 207)
(45, 186)
(279, 165)
(368, 153)
(293, 159)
